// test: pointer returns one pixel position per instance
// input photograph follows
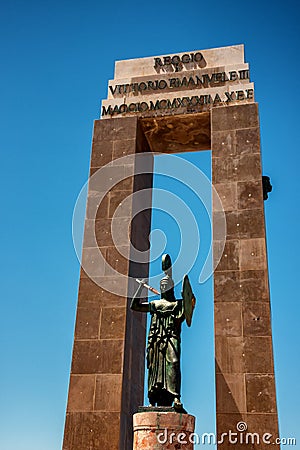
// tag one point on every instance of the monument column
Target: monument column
(107, 374)
(245, 385)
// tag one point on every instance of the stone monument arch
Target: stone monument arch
(192, 101)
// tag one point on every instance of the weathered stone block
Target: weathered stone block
(103, 356)
(102, 152)
(258, 354)
(235, 117)
(81, 393)
(115, 129)
(254, 285)
(92, 430)
(248, 141)
(97, 206)
(250, 195)
(230, 357)
(113, 323)
(227, 286)
(230, 256)
(253, 254)
(123, 148)
(108, 392)
(230, 393)
(223, 143)
(228, 319)
(228, 196)
(88, 321)
(260, 391)
(256, 319)
(91, 292)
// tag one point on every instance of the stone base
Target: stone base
(161, 409)
(162, 430)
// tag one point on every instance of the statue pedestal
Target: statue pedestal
(157, 429)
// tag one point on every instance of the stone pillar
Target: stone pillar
(245, 384)
(107, 374)
(163, 430)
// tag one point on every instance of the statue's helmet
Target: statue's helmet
(166, 284)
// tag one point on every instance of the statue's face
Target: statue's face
(166, 288)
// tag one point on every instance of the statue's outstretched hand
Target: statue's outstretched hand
(135, 302)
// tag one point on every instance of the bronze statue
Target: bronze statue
(163, 348)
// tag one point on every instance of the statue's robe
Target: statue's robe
(163, 351)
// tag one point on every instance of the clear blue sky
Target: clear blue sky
(56, 59)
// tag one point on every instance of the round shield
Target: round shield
(189, 300)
